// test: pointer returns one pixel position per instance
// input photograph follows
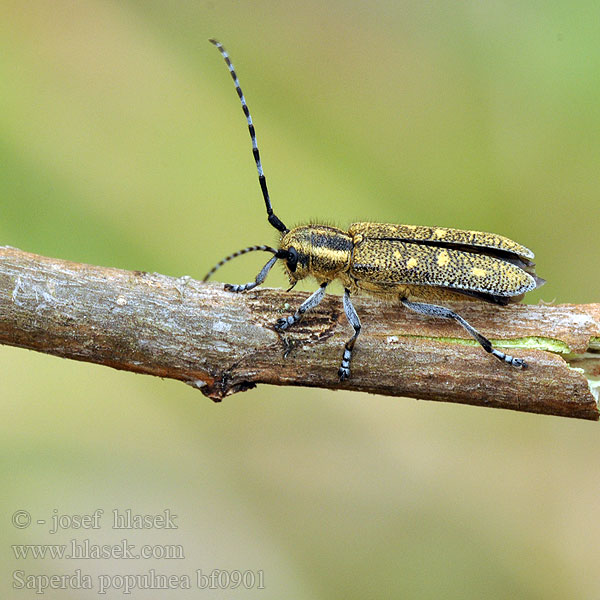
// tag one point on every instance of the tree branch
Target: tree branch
(223, 343)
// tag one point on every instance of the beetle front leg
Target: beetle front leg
(310, 302)
(232, 287)
(344, 370)
(445, 313)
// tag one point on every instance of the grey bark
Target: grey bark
(222, 343)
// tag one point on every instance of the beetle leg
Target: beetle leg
(232, 287)
(309, 303)
(445, 313)
(344, 370)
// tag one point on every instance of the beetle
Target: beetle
(412, 264)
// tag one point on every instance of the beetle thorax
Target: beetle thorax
(323, 252)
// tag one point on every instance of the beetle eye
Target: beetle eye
(292, 260)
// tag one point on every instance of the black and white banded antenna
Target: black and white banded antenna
(262, 274)
(273, 218)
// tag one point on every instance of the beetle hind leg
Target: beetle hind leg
(352, 316)
(434, 310)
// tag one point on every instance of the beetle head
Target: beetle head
(294, 249)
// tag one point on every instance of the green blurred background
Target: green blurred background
(122, 143)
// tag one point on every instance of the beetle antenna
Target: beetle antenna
(277, 253)
(273, 218)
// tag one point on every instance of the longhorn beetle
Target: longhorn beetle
(409, 263)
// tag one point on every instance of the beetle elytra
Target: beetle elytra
(411, 264)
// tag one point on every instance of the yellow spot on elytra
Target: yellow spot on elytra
(443, 259)
(411, 263)
(397, 254)
(479, 272)
(439, 233)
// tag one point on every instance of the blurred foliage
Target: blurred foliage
(122, 143)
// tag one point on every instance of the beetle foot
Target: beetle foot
(283, 323)
(343, 373)
(344, 370)
(518, 363)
